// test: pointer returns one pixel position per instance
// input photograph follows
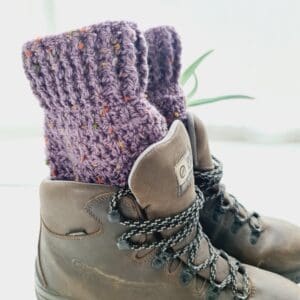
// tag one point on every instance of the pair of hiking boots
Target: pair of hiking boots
(159, 237)
(146, 241)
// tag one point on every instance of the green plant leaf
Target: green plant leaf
(189, 71)
(195, 88)
(196, 102)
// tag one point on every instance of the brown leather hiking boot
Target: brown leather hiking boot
(267, 243)
(142, 242)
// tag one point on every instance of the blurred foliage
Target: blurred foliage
(190, 74)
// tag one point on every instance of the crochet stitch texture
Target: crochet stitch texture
(164, 60)
(91, 84)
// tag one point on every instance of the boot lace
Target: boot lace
(188, 223)
(207, 181)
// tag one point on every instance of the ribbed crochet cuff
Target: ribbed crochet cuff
(164, 59)
(79, 67)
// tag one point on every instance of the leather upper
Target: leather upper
(78, 257)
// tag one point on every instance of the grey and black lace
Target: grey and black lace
(209, 182)
(187, 223)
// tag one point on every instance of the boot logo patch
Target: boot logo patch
(184, 171)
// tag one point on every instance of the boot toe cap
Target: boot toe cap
(270, 286)
(282, 247)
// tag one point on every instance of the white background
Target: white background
(257, 46)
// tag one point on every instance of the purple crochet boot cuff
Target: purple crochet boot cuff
(91, 84)
(164, 59)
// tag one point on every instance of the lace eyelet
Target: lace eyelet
(114, 216)
(241, 296)
(241, 218)
(225, 208)
(213, 293)
(159, 261)
(256, 215)
(123, 245)
(216, 286)
(257, 227)
(254, 237)
(253, 240)
(235, 227)
(186, 276)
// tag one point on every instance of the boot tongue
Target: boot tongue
(199, 143)
(202, 157)
(162, 182)
(162, 177)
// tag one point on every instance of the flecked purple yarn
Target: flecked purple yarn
(91, 85)
(164, 60)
